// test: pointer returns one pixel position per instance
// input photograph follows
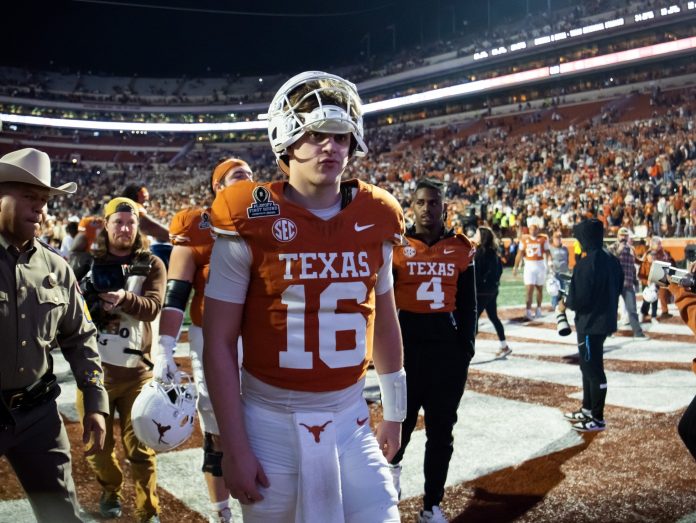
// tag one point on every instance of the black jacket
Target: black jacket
(596, 284)
(488, 271)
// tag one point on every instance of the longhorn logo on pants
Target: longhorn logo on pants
(316, 430)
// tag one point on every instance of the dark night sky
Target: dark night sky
(125, 37)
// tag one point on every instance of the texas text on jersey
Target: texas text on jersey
(534, 248)
(427, 275)
(311, 293)
(191, 228)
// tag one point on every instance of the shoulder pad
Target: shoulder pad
(232, 203)
(396, 225)
(464, 239)
(187, 224)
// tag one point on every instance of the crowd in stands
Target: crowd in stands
(638, 174)
(234, 89)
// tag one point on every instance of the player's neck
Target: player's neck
(312, 196)
(429, 236)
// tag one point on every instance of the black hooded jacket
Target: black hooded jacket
(596, 284)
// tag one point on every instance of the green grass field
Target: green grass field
(512, 289)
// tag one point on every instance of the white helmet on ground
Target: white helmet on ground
(163, 414)
(286, 124)
(650, 293)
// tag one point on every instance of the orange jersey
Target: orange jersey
(426, 276)
(191, 228)
(309, 309)
(686, 303)
(90, 226)
(534, 248)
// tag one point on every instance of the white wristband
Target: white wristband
(393, 388)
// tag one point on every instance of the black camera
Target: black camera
(107, 277)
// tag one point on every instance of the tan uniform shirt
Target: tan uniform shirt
(41, 307)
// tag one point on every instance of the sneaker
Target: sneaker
(641, 335)
(578, 415)
(529, 315)
(110, 505)
(591, 425)
(537, 314)
(665, 316)
(396, 478)
(503, 353)
(645, 319)
(222, 516)
(432, 516)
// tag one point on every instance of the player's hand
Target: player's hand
(561, 306)
(243, 474)
(388, 434)
(515, 271)
(94, 428)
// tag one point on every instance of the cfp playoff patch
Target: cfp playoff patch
(263, 205)
(205, 221)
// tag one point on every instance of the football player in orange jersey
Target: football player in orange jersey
(188, 268)
(435, 289)
(302, 268)
(535, 250)
(685, 299)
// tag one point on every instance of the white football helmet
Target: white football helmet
(553, 287)
(286, 126)
(650, 293)
(163, 414)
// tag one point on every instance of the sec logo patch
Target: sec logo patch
(409, 251)
(284, 230)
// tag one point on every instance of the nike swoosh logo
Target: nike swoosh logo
(449, 251)
(359, 228)
(361, 422)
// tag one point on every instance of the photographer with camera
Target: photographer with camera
(682, 285)
(125, 289)
(593, 294)
(685, 299)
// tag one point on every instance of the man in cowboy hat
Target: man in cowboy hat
(41, 307)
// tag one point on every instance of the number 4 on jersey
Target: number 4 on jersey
(432, 291)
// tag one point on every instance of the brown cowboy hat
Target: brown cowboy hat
(33, 167)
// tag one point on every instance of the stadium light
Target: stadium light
(134, 126)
